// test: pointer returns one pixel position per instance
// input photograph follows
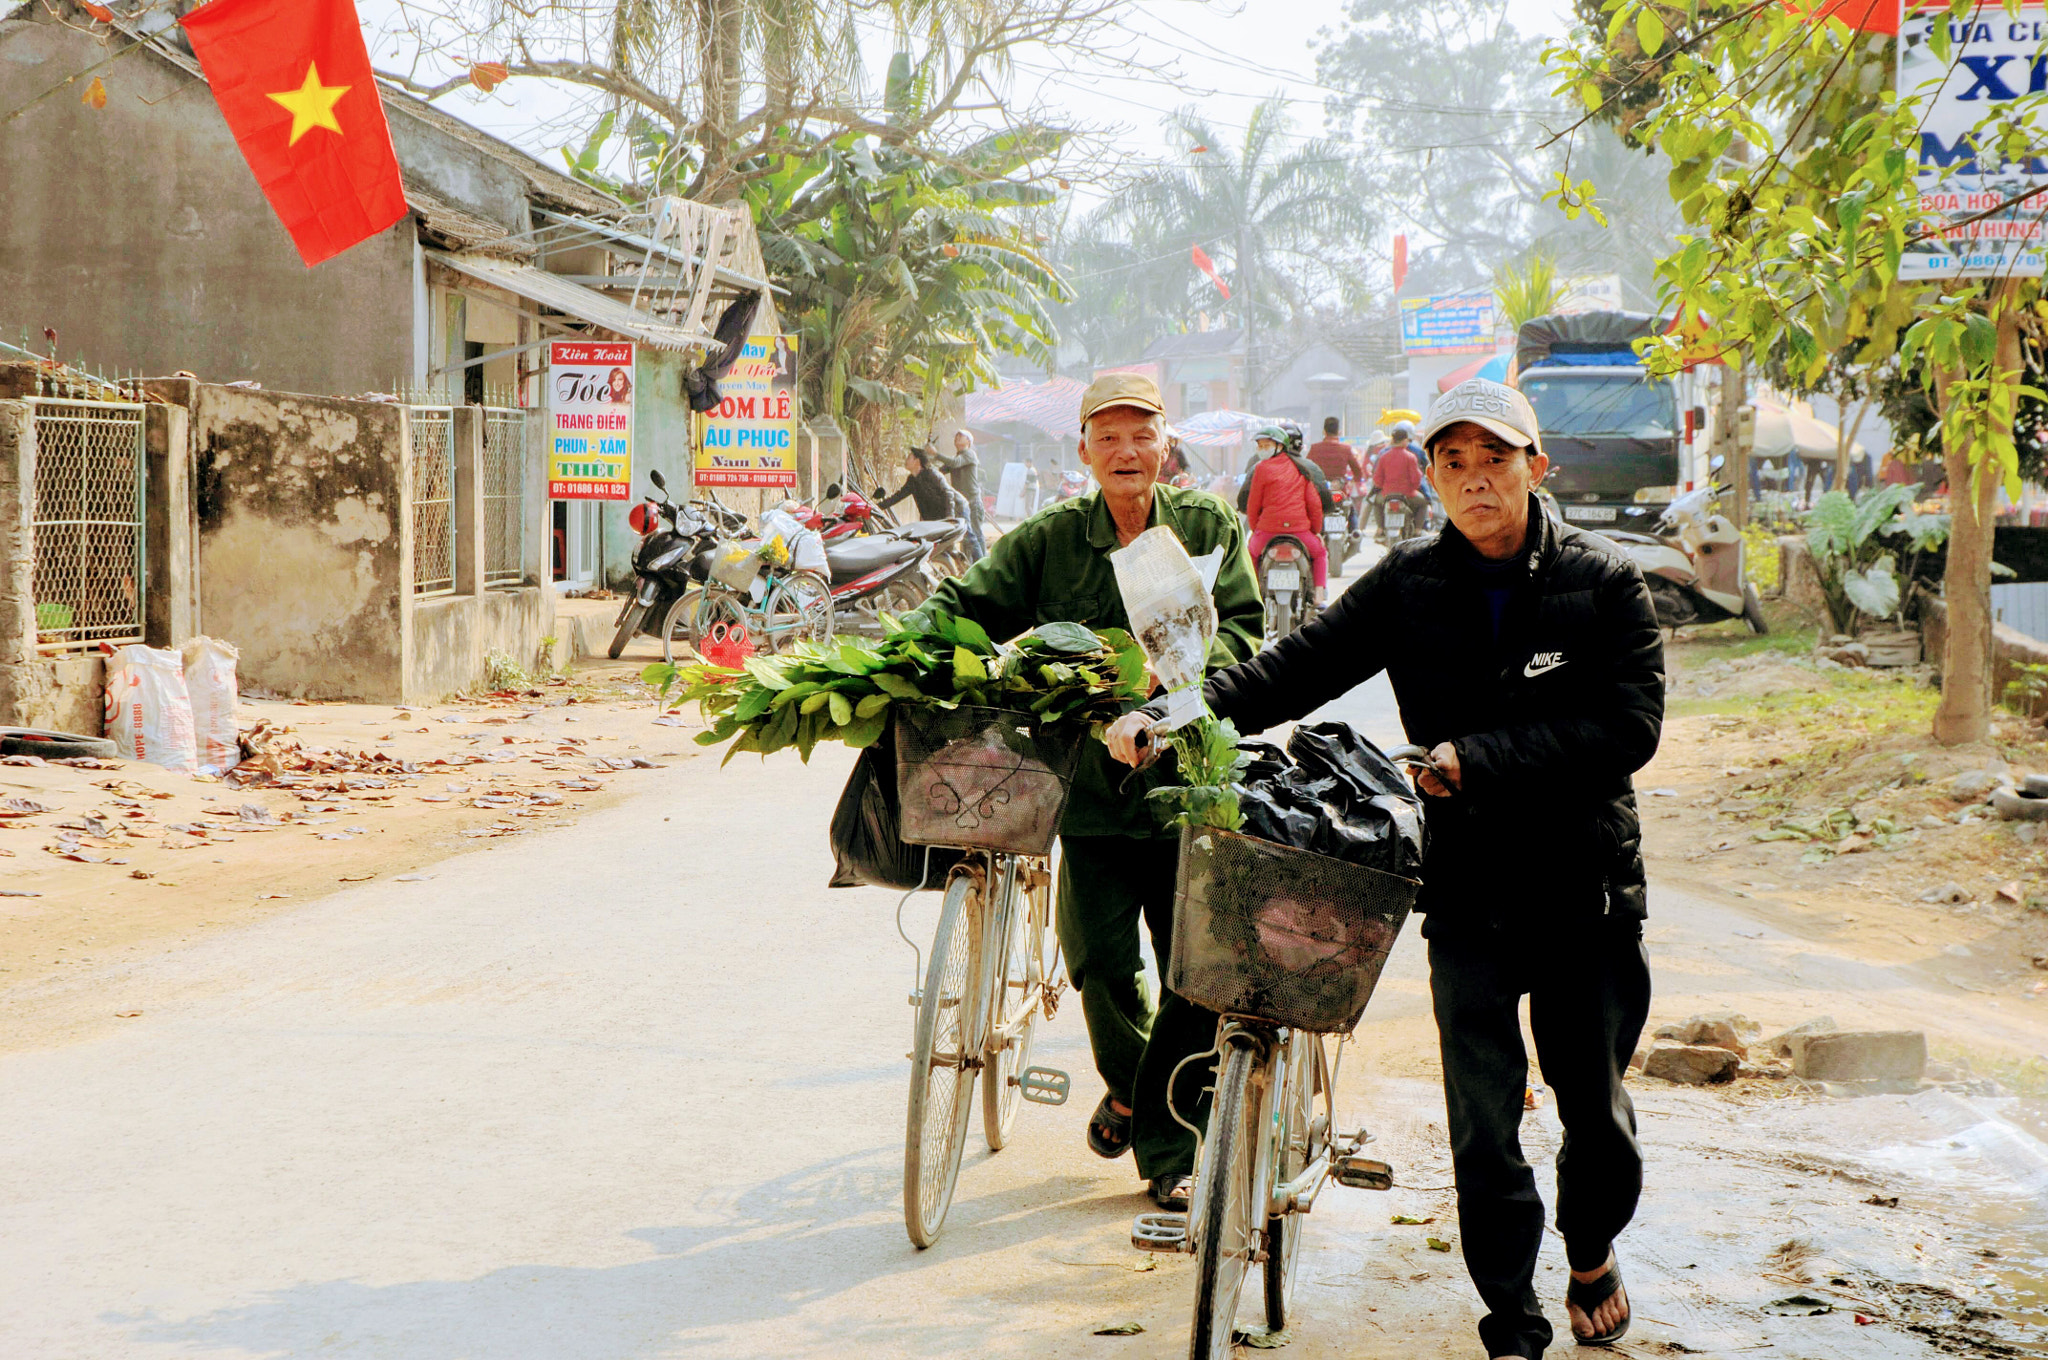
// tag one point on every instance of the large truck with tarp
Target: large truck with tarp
(1622, 443)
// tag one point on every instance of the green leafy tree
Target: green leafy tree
(1527, 290)
(1793, 167)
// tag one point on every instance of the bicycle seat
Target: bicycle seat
(852, 558)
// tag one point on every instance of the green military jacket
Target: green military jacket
(1055, 568)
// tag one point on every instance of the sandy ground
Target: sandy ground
(630, 1084)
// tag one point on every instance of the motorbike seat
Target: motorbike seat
(853, 558)
(929, 530)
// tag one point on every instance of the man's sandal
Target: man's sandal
(1173, 1193)
(1588, 1295)
(1109, 1133)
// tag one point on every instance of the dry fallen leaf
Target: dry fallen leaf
(1412, 1219)
(95, 95)
(1120, 1329)
(2011, 892)
(99, 12)
(1436, 1244)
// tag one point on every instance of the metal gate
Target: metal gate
(504, 495)
(433, 500)
(86, 522)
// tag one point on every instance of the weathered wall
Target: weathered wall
(452, 634)
(138, 233)
(300, 559)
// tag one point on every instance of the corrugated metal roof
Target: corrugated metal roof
(458, 229)
(572, 299)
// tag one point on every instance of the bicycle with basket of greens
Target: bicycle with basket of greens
(990, 784)
(1286, 945)
(751, 590)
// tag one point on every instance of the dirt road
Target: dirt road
(633, 1086)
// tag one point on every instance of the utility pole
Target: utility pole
(1734, 449)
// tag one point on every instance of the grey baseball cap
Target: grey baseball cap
(1484, 402)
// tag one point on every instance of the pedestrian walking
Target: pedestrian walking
(1524, 653)
(1117, 863)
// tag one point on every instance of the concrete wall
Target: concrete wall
(138, 233)
(301, 560)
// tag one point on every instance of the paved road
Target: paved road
(633, 1088)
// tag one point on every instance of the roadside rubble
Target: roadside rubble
(1815, 1056)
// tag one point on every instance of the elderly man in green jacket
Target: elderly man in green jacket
(1117, 862)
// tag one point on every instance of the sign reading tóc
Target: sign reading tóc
(590, 420)
(749, 439)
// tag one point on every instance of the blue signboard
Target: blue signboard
(1462, 323)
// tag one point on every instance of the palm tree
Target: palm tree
(1283, 213)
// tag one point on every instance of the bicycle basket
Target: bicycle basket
(982, 778)
(1281, 934)
(735, 565)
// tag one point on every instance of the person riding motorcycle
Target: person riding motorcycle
(1397, 475)
(1287, 494)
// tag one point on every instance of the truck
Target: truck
(1622, 444)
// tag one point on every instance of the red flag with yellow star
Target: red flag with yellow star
(293, 79)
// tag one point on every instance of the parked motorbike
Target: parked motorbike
(668, 560)
(1693, 563)
(842, 513)
(1285, 585)
(1072, 484)
(873, 573)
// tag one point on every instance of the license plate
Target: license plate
(1283, 578)
(1596, 514)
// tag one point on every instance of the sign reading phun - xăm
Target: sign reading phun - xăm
(590, 429)
(1998, 58)
(749, 439)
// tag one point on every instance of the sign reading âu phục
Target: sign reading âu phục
(749, 439)
(1461, 323)
(590, 420)
(1997, 58)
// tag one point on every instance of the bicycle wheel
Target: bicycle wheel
(716, 604)
(675, 624)
(1020, 975)
(941, 1092)
(1299, 1137)
(1227, 1206)
(798, 608)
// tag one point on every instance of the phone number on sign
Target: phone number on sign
(605, 491)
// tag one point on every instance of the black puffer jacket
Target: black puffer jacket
(1549, 722)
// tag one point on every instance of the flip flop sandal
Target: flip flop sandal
(1588, 1295)
(1109, 1133)
(1173, 1193)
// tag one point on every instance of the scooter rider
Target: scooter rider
(1397, 475)
(1525, 653)
(1117, 864)
(1284, 496)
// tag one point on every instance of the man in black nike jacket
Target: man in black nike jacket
(1525, 654)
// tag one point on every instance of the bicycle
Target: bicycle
(795, 605)
(1286, 946)
(989, 978)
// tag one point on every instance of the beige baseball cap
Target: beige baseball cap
(1484, 402)
(1121, 389)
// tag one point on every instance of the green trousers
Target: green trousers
(1107, 885)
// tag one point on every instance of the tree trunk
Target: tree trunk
(720, 32)
(1965, 712)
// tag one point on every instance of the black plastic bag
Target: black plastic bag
(867, 841)
(1336, 794)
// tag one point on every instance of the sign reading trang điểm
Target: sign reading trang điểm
(749, 439)
(590, 408)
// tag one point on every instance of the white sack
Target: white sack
(149, 713)
(210, 680)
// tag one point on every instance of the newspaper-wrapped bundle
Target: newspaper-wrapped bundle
(1167, 596)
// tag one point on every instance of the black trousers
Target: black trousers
(1589, 993)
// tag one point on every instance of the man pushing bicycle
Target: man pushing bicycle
(1116, 862)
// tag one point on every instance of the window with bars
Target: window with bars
(433, 500)
(86, 522)
(504, 495)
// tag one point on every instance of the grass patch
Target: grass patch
(2021, 1076)
(1859, 704)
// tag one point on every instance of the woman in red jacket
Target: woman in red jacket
(1283, 500)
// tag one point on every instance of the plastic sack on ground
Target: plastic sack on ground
(1334, 793)
(868, 848)
(211, 683)
(148, 712)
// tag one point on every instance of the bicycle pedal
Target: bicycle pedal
(1160, 1232)
(1363, 1173)
(1044, 1085)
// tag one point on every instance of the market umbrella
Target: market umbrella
(1218, 429)
(1780, 431)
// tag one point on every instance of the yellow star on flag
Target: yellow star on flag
(312, 104)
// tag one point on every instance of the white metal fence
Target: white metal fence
(86, 522)
(433, 500)
(504, 495)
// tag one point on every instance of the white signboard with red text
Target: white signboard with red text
(590, 413)
(749, 438)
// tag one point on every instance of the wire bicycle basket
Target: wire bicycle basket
(983, 778)
(1281, 934)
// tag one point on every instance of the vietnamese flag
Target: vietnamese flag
(1208, 266)
(1865, 16)
(293, 79)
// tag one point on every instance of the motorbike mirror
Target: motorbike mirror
(654, 475)
(832, 491)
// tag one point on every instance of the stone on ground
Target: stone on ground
(1862, 1055)
(1692, 1064)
